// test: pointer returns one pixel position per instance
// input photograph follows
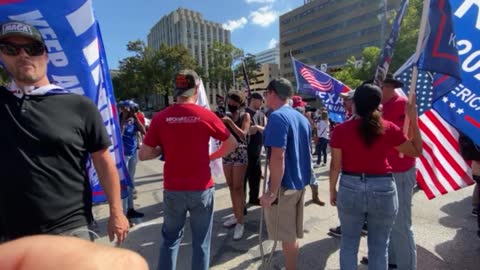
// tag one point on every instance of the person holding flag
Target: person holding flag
(51, 133)
(367, 191)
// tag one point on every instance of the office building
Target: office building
(270, 56)
(330, 31)
(263, 76)
(189, 28)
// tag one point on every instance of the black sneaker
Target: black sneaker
(475, 212)
(365, 262)
(134, 214)
(337, 231)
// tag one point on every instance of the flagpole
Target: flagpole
(421, 37)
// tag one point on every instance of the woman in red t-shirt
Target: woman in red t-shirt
(367, 190)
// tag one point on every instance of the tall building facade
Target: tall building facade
(189, 28)
(330, 31)
(263, 76)
(270, 56)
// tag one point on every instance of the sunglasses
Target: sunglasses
(32, 49)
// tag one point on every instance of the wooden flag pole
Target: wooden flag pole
(413, 82)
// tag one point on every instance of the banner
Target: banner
(387, 51)
(77, 63)
(217, 165)
(461, 106)
(313, 82)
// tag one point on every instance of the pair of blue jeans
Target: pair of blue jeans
(176, 205)
(402, 250)
(363, 199)
(131, 162)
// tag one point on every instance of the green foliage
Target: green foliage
(407, 41)
(149, 70)
(221, 58)
(354, 76)
(251, 66)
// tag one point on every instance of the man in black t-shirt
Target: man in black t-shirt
(47, 136)
(254, 149)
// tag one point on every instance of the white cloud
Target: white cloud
(264, 16)
(259, 1)
(272, 43)
(232, 25)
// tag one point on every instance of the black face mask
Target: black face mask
(232, 108)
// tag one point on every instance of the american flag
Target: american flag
(321, 86)
(441, 168)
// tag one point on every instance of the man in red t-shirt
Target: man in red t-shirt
(182, 133)
(402, 249)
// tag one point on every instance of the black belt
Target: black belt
(367, 174)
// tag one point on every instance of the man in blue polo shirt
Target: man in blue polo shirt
(288, 137)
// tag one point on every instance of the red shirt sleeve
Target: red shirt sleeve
(395, 135)
(336, 138)
(218, 129)
(152, 138)
(141, 118)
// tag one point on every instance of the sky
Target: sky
(253, 23)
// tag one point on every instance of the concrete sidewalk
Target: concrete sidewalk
(444, 228)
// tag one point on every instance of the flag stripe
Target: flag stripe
(443, 159)
(441, 168)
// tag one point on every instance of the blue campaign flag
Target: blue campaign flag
(313, 82)
(77, 63)
(461, 106)
(387, 51)
(440, 52)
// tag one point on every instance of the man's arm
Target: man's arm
(146, 152)
(225, 148)
(108, 175)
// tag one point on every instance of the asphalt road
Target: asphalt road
(444, 228)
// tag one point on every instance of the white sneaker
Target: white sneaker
(238, 232)
(230, 222)
(316, 166)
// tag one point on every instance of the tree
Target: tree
(221, 58)
(150, 70)
(353, 74)
(251, 66)
(407, 41)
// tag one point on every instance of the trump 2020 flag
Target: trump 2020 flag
(439, 53)
(441, 168)
(387, 51)
(313, 82)
(460, 106)
(77, 63)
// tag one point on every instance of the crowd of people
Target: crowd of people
(52, 132)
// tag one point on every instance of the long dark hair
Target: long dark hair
(367, 98)
(371, 127)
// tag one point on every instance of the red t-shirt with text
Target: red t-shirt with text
(183, 131)
(357, 156)
(394, 111)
